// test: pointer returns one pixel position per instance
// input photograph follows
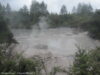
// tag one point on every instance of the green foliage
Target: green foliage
(78, 19)
(37, 10)
(80, 63)
(24, 17)
(84, 9)
(94, 62)
(5, 34)
(86, 63)
(63, 10)
(56, 20)
(29, 65)
(7, 65)
(19, 65)
(56, 70)
(20, 19)
(7, 13)
(2, 10)
(37, 7)
(94, 25)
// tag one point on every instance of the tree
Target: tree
(24, 9)
(63, 10)
(24, 17)
(55, 20)
(5, 35)
(34, 7)
(34, 12)
(21, 18)
(86, 63)
(43, 9)
(2, 10)
(80, 65)
(94, 57)
(74, 10)
(84, 9)
(37, 10)
(8, 9)
(94, 25)
(8, 14)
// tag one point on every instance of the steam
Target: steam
(43, 23)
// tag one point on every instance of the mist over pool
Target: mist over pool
(60, 44)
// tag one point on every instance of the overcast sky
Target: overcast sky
(53, 5)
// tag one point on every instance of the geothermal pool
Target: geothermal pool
(60, 44)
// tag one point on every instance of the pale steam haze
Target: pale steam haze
(53, 5)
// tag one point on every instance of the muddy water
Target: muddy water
(59, 45)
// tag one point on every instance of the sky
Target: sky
(53, 5)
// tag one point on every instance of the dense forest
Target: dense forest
(82, 17)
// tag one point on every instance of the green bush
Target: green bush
(86, 63)
(21, 66)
